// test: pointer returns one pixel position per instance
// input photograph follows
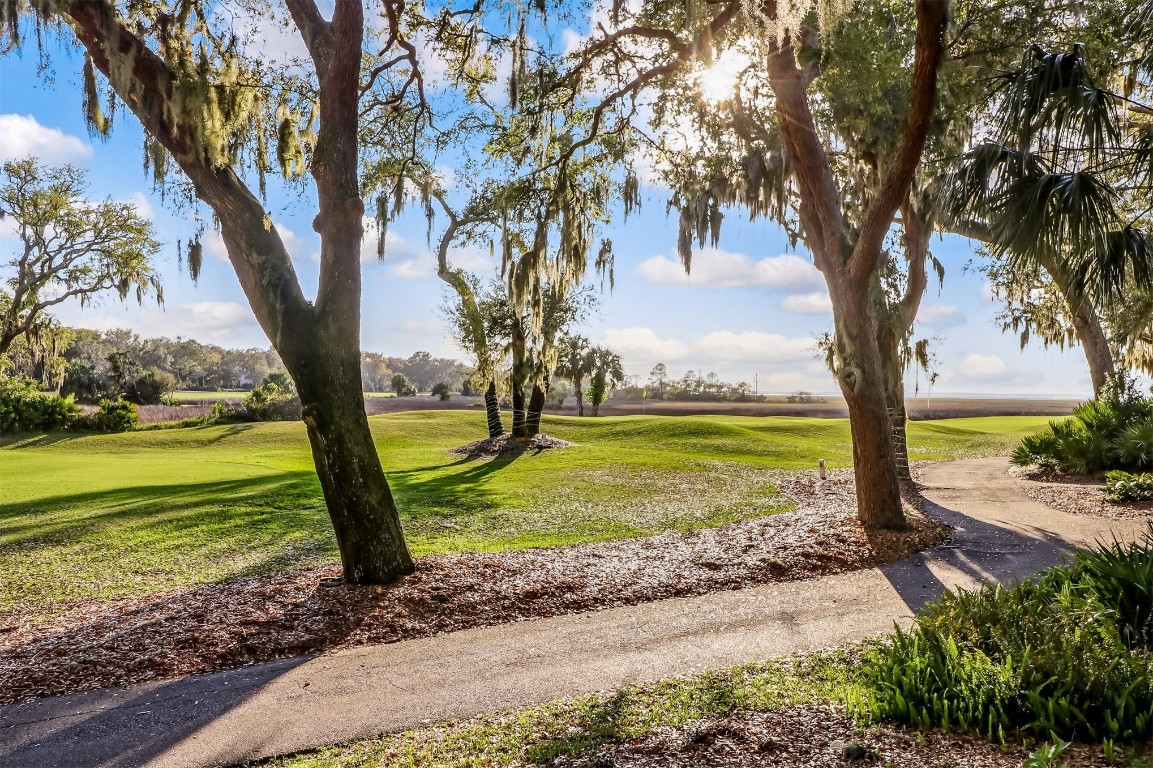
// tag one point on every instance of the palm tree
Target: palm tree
(1062, 188)
(606, 373)
(575, 363)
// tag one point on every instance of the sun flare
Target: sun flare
(717, 81)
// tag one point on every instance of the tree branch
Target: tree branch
(932, 16)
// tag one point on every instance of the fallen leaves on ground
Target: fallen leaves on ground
(1077, 495)
(310, 610)
(809, 737)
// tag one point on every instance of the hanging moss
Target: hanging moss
(98, 124)
(195, 258)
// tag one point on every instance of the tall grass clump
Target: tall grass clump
(1114, 431)
(1065, 656)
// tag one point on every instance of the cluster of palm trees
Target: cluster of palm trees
(579, 361)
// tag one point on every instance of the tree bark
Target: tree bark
(535, 409)
(579, 394)
(1095, 343)
(360, 503)
(862, 383)
(318, 342)
(519, 377)
(1087, 326)
(849, 266)
(492, 409)
(889, 338)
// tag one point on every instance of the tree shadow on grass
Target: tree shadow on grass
(418, 491)
(178, 507)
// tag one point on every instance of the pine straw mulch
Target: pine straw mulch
(1077, 495)
(810, 737)
(506, 444)
(309, 610)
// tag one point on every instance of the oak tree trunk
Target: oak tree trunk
(893, 372)
(318, 341)
(862, 383)
(1095, 343)
(1086, 324)
(360, 503)
(492, 409)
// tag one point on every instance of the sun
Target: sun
(716, 82)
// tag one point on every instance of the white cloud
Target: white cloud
(423, 326)
(940, 315)
(987, 292)
(412, 269)
(142, 205)
(815, 303)
(22, 136)
(716, 348)
(227, 323)
(213, 245)
(719, 269)
(981, 369)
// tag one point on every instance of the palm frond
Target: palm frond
(1124, 261)
(1054, 93)
(1054, 213)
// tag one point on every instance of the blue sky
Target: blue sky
(749, 308)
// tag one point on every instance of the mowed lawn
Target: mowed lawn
(106, 516)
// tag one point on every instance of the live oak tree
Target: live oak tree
(67, 247)
(664, 41)
(535, 203)
(212, 111)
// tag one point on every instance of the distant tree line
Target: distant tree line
(692, 386)
(92, 365)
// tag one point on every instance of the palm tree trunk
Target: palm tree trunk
(535, 409)
(578, 392)
(492, 409)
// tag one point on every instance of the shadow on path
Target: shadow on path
(86, 730)
(979, 550)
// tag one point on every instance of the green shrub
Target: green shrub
(115, 416)
(402, 386)
(1064, 656)
(151, 387)
(269, 402)
(24, 408)
(1113, 431)
(1123, 486)
(441, 390)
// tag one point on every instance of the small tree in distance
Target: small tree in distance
(607, 372)
(402, 386)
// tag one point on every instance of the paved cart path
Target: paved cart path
(294, 704)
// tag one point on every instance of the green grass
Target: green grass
(105, 516)
(576, 727)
